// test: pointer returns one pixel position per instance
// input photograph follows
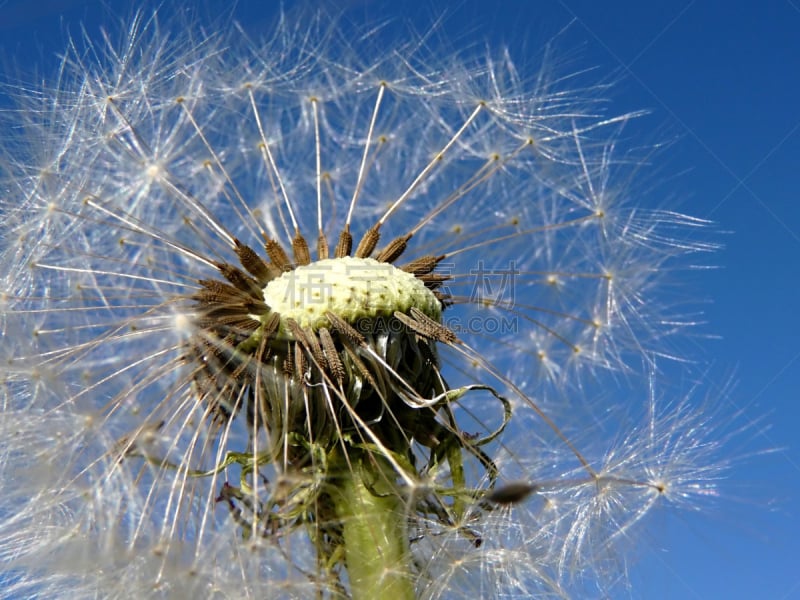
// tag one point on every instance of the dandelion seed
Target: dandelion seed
(261, 298)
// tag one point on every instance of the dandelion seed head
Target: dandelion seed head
(276, 300)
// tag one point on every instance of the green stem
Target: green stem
(375, 532)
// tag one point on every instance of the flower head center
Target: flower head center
(351, 288)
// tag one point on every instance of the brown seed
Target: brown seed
(369, 241)
(254, 264)
(332, 355)
(422, 265)
(322, 246)
(345, 243)
(344, 328)
(427, 327)
(300, 248)
(395, 248)
(240, 279)
(277, 254)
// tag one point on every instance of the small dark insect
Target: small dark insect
(511, 493)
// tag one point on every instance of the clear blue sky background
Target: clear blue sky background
(724, 77)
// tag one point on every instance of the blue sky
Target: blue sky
(722, 79)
